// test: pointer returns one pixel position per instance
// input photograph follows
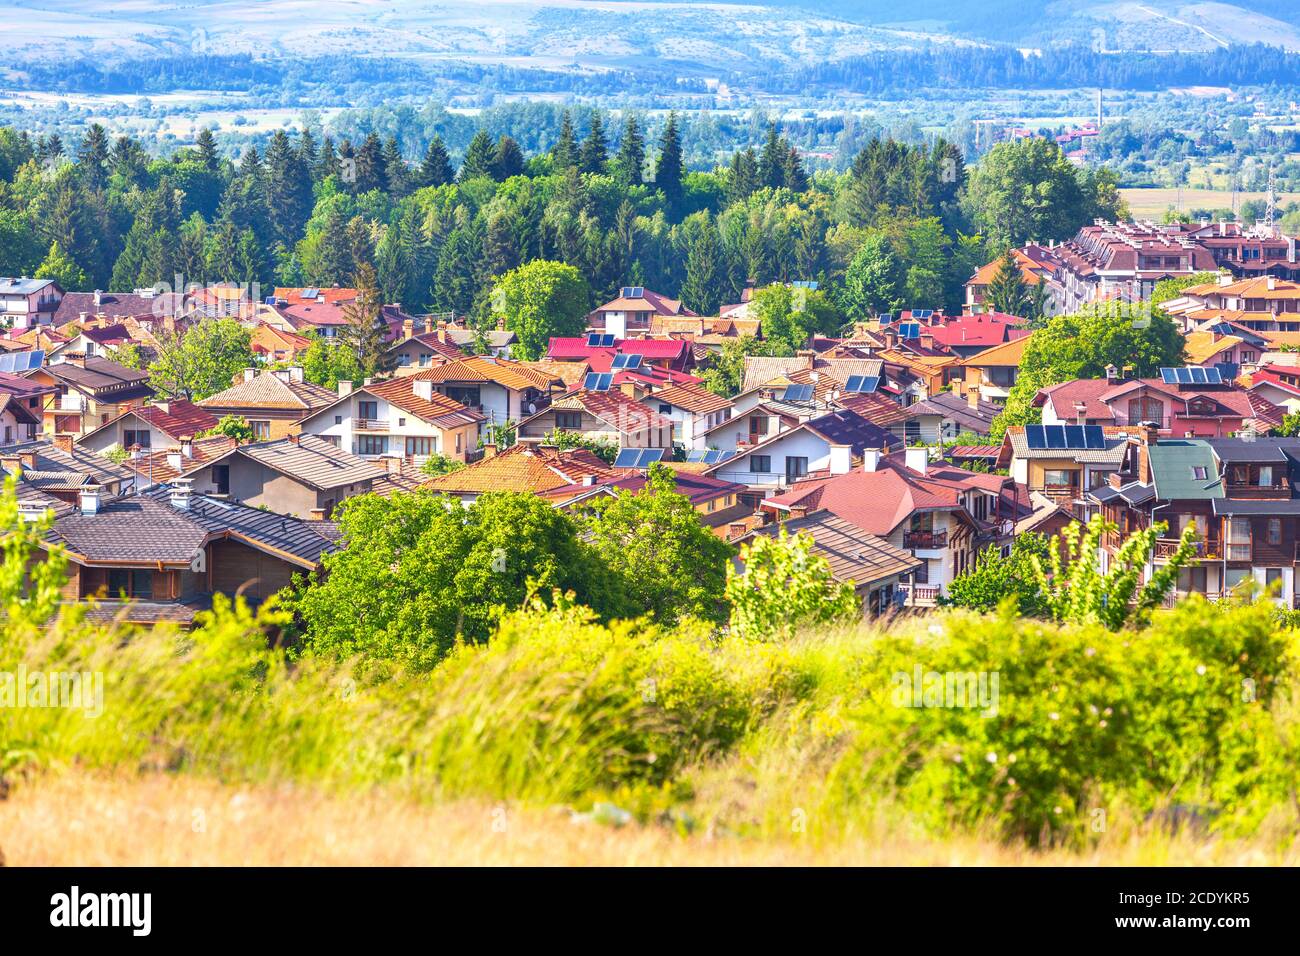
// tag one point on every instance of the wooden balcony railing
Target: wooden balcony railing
(370, 424)
(1205, 548)
(925, 539)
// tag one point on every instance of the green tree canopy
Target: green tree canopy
(203, 359)
(541, 299)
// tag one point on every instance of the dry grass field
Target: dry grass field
(78, 819)
(1152, 203)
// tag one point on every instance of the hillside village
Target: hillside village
(874, 443)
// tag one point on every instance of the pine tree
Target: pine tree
(509, 159)
(631, 152)
(435, 169)
(366, 332)
(395, 171)
(328, 163)
(370, 164)
(670, 168)
(700, 290)
(333, 253)
(287, 190)
(308, 151)
(771, 164)
(595, 151)
(565, 151)
(207, 147)
(792, 171)
(480, 157)
(92, 158)
(500, 247)
(742, 177)
(1008, 292)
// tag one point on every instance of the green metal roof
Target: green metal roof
(1171, 470)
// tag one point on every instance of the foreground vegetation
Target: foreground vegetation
(1068, 734)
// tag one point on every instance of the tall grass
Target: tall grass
(1192, 719)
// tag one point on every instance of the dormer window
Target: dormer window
(1200, 473)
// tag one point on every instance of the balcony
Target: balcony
(1247, 489)
(934, 540)
(919, 595)
(371, 425)
(1205, 548)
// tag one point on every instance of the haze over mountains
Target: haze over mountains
(691, 37)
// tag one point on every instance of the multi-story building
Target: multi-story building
(1238, 494)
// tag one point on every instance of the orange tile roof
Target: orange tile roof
(693, 399)
(1008, 353)
(480, 368)
(524, 467)
(1028, 268)
(437, 409)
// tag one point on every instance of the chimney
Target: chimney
(30, 511)
(163, 407)
(181, 489)
(423, 388)
(408, 329)
(489, 449)
(917, 459)
(174, 460)
(973, 391)
(89, 499)
(250, 374)
(12, 463)
(1080, 413)
(871, 458)
(75, 358)
(28, 460)
(1225, 278)
(809, 357)
(316, 514)
(841, 459)
(63, 443)
(588, 481)
(187, 446)
(1270, 283)
(294, 438)
(295, 373)
(98, 298)
(1112, 373)
(345, 388)
(1150, 433)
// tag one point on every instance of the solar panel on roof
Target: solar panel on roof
(862, 384)
(885, 318)
(1184, 376)
(1213, 376)
(626, 361)
(910, 330)
(1093, 437)
(697, 455)
(633, 292)
(1034, 437)
(597, 381)
(310, 293)
(593, 339)
(1074, 437)
(627, 458)
(1055, 435)
(715, 455)
(649, 456)
(1167, 376)
(1198, 375)
(16, 362)
(797, 393)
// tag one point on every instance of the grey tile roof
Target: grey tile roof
(147, 528)
(51, 458)
(99, 374)
(268, 390)
(312, 461)
(853, 554)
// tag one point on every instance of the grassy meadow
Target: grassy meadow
(563, 740)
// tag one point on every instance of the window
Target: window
(1273, 579)
(372, 444)
(568, 421)
(464, 394)
(261, 430)
(1274, 534)
(665, 408)
(338, 419)
(1060, 479)
(1200, 472)
(221, 478)
(922, 574)
(459, 436)
(1265, 476)
(368, 410)
(135, 436)
(760, 464)
(758, 425)
(426, 359)
(795, 467)
(130, 582)
(1191, 579)
(1247, 357)
(404, 360)
(419, 447)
